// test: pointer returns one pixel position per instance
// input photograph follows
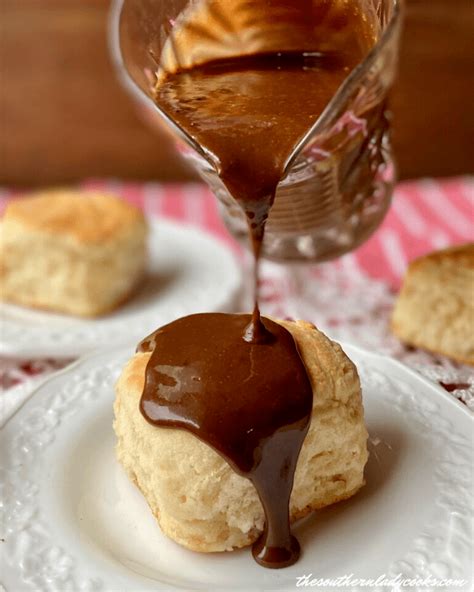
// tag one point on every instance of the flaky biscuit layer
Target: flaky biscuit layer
(435, 307)
(79, 254)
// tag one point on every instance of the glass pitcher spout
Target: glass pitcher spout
(338, 180)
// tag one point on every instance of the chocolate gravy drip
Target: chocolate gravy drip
(250, 401)
(237, 381)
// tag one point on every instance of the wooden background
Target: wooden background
(64, 117)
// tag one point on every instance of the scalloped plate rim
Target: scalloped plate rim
(347, 347)
(372, 360)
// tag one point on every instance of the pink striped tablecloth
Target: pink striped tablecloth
(426, 215)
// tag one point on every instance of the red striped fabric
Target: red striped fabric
(427, 214)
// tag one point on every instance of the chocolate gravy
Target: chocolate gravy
(237, 381)
(249, 113)
(250, 401)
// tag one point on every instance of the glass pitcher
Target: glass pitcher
(338, 182)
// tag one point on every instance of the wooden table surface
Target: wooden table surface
(63, 116)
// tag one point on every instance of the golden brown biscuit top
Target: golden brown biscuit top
(462, 256)
(86, 217)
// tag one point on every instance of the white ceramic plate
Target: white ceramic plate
(73, 521)
(189, 272)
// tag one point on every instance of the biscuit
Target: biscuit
(199, 500)
(435, 308)
(78, 253)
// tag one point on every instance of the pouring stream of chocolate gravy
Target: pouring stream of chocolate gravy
(237, 381)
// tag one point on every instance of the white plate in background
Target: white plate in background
(189, 271)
